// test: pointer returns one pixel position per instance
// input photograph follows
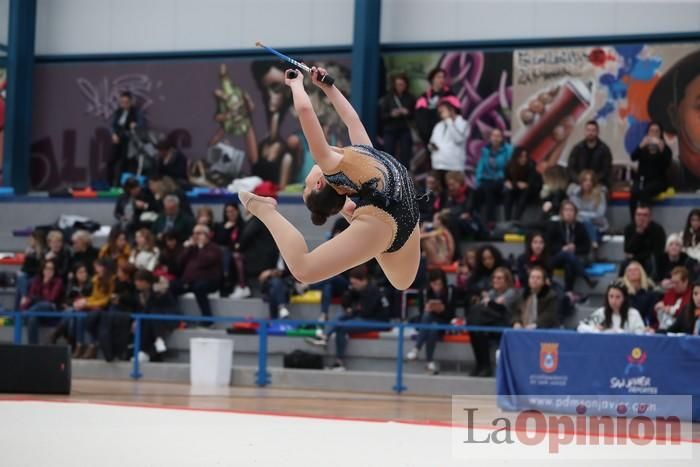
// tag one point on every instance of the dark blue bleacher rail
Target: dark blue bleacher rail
(262, 377)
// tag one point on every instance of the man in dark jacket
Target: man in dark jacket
(363, 301)
(201, 270)
(592, 154)
(173, 219)
(645, 241)
(126, 118)
(569, 242)
(539, 305)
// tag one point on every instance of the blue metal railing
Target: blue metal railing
(262, 377)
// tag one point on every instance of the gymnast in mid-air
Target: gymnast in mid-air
(383, 216)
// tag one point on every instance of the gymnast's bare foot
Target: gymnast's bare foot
(254, 203)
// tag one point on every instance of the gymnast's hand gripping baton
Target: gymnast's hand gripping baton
(325, 79)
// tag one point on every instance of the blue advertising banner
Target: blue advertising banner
(555, 365)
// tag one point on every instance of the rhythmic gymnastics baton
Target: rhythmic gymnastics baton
(325, 79)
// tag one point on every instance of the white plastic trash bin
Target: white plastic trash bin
(210, 361)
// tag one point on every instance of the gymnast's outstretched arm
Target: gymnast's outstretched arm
(366, 238)
(356, 130)
(323, 155)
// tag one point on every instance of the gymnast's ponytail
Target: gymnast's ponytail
(324, 203)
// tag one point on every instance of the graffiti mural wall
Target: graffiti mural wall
(236, 106)
(481, 80)
(623, 88)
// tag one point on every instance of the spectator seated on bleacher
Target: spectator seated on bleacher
(145, 253)
(276, 285)
(169, 258)
(688, 320)
(173, 219)
(160, 187)
(259, 253)
(117, 247)
(616, 315)
(171, 162)
(672, 258)
(555, 182)
(536, 254)
(488, 258)
(437, 241)
(490, 175)
(31, 266)
(201, 270)
(591, 154)
(227, 234)
(569, 243)
(205, 216)
(495, 308)
(115, 322)
(83, 251)
(94, 304)
(151, 301)
(590, 199)
(131, 205)
(644, 241)
(463, 218)
(363, 301)
(674, 300)
(538, 307)
(522, 184)
(641, 290)
(438, 308)
(45, 294)
(438, 197)
(691, 235)
(465, 269)
(79, 286)
(653, 157)
(58, 252)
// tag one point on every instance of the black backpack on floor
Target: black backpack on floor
(304, 360)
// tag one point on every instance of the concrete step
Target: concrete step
(360, 381)
(383, 348)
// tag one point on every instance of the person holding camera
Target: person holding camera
(654, 159)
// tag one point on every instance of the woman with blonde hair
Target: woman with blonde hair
(641, 289)
(590, 198)
(496, 308)
(437, 241)
(145, 253)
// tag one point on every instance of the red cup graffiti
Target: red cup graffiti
(551, 114)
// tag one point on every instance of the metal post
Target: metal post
(365, 62)
(20, 86)
(399, 387)
(136, 373)
(17, 317)
(262, 378)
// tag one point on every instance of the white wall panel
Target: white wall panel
(122, 26)
(410, 21)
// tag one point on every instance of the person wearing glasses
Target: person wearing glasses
(201, 270)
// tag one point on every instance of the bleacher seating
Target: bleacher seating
(374, 358)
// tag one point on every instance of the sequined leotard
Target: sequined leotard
(383, 186)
